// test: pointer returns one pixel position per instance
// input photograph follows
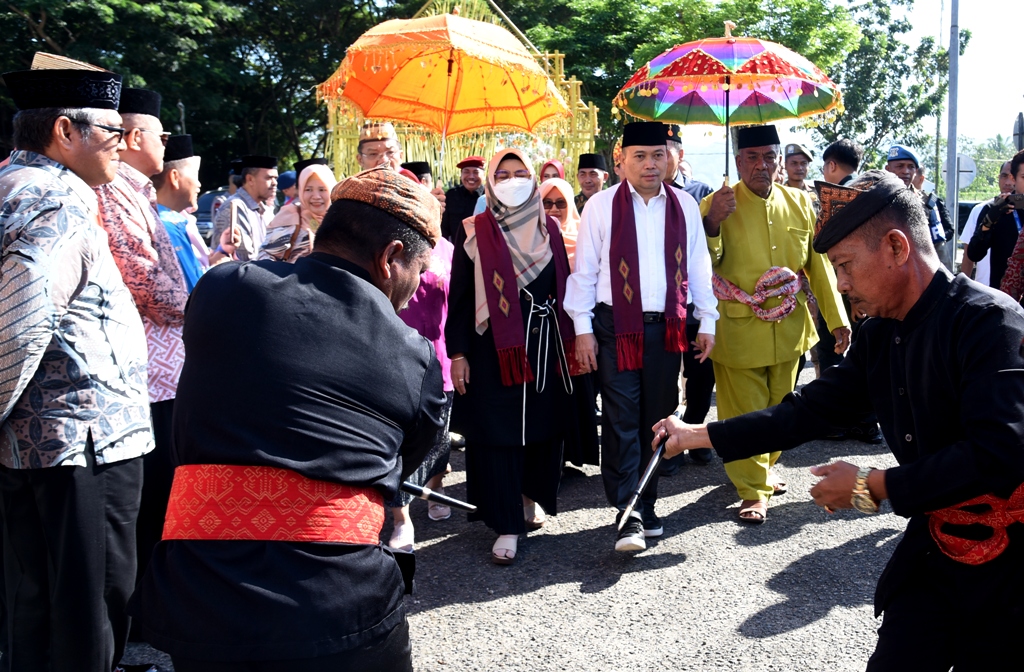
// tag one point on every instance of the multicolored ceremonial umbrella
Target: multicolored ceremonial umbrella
(447, 74)
(728, 80)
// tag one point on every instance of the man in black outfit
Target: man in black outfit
(998, 228)
(940, 363)
(461, 200)
(271, 558)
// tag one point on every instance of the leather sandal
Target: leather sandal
(753, 511)
(780, 488)
(534, 516)
(504, 550)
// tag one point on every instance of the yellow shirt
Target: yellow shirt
(762, 233)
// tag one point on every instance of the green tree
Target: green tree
(889, 87)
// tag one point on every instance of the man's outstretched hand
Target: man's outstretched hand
(680, 436)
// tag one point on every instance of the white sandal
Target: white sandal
(534, 515)
(403, 537)
(504, 550)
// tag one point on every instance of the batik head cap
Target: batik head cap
(901, 153)
(756, 136)
(36, 89)
(377, 131)
(178, 147)
(844, 209)
(397, 195)
(793, 148)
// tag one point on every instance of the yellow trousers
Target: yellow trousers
(740, 391)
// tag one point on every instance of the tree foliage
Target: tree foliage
(889, 86)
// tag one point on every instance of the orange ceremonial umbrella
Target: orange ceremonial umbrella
(448, 74)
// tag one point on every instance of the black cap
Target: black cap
(236, 167)
(178, 147)
(140, 101)
(35, 89)
(756, 136)
(418, 168)
(673, 133)
(306, 163)
(643, 133)
(256, 161)
(592, 161)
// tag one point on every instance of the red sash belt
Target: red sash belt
(1001, 514)
(220, 501)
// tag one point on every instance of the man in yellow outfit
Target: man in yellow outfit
(759, 235)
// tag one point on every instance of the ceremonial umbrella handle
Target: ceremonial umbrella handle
(652, 468)
(435, 497)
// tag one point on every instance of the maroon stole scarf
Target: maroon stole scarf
(506, 316)
(624, 260)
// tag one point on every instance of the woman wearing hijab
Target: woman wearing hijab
(511, 348)
(551, 169)
(559, 202)
(290, 234)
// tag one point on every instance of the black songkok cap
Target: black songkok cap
(673, 133)
(844, 209)
(306, 163)
(418, 168)
(35, 89)
(236, 167)
(140, 101)
(178, 147)
(643, 133)
(756, 136)
(253, 161)
(592, 161)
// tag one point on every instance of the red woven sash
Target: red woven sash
(1001, 514)
(220, 501)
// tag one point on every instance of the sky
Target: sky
(989, 99)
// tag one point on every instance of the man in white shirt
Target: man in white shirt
(641, 257)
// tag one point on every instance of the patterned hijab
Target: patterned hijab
(524, 230)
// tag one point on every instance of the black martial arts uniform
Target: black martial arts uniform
(459, 204)
(947, 385)
(304, 367)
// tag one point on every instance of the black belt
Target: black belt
(650, 318)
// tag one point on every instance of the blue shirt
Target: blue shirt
(176, 224)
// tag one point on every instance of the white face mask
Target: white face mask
(514, 192)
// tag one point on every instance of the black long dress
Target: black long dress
(510, 450)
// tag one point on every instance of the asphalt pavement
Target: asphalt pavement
(794, 594)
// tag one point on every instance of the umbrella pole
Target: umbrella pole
(728, 88)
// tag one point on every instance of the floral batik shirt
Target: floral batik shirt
(144, 253)
(72, 346)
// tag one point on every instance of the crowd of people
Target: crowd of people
(192, 436)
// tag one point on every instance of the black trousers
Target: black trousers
(497, 477)
(69, 564)
(700, 383)
(158, 475)
(392, 652)
(632, 402)
(928, 627)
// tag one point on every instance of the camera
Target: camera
(1015, 201)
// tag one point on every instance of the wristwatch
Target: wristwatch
(862, 499)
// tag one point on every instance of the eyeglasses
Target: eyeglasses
(374, 156)
(164, 135)
(560, 204)
(504, 176)
(110, 129)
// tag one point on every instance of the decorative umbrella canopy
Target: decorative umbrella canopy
(728, 80)
(448, 74)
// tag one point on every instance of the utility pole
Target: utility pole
(938, 115)
(952, 166)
